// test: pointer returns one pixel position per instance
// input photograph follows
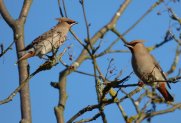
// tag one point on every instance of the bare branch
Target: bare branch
(60, 9)
(157, 3)
(175, 38)
(125, 116)
(175, 61)
(115, 84)
(90, 119)
(131, 27)
(133, 101)
(119, 35)
(45, 66)
(88, 74)
(25, 10)
(152, 114)
(76, 37)
(107, 102)
(138, 89)
(173, 15)
(59, 109)
(4, 51)
(5, 14)
(64, 7)
(10, 97)
(18, 29)
(168, 37)
(88, 108)
(112, 23)
(86, 21)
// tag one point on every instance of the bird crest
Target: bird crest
(135, 42)
(63, 19)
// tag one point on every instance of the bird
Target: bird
(147, 68)
(48, 41)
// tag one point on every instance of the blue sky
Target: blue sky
(81, 89)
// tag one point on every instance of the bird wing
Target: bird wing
(160, 69)
(41, 38)
(45, 36)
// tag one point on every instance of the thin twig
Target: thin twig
(92, 107)
(46, 66)
(175, 61)
(8, 48)
(138, 21)
(132, 100)
(119, 35)
(64, 7)
(170, 80)
(82, 111)
(173, 15)
(90, 119)
(156, 113)
(6, 15)
(157, 3)
(113, 84)
(138, 89)
(84, 73)
(109, 65)
(95, 66)
(60, 9)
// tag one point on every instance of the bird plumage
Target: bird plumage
(49, 40)
(147, 69)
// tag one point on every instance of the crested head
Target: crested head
(135, 46)
(134, 43)
(67, 21)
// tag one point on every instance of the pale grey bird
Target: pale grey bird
(49, 40)
(147, 69)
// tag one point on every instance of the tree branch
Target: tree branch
(25, 10)
(59, 110)
(175, 61)
(89, 119)
(5, 14)
(6, 50)
(152, 114)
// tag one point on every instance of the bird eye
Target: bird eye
(69, 22)
(134, 44)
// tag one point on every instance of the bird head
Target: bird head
(131, 45)
(68, 21)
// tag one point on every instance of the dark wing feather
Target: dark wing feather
(45, 35)
(41, 38)
(159, 68)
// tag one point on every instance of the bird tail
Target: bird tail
(162, 89)
(26, 55)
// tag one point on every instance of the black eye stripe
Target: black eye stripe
(133, 44)
(69, 22)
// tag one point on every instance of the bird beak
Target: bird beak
(75, 23)
(128, 46)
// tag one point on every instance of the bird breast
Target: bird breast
(145, 68)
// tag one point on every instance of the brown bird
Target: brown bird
(50, 40)
(147, 69)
